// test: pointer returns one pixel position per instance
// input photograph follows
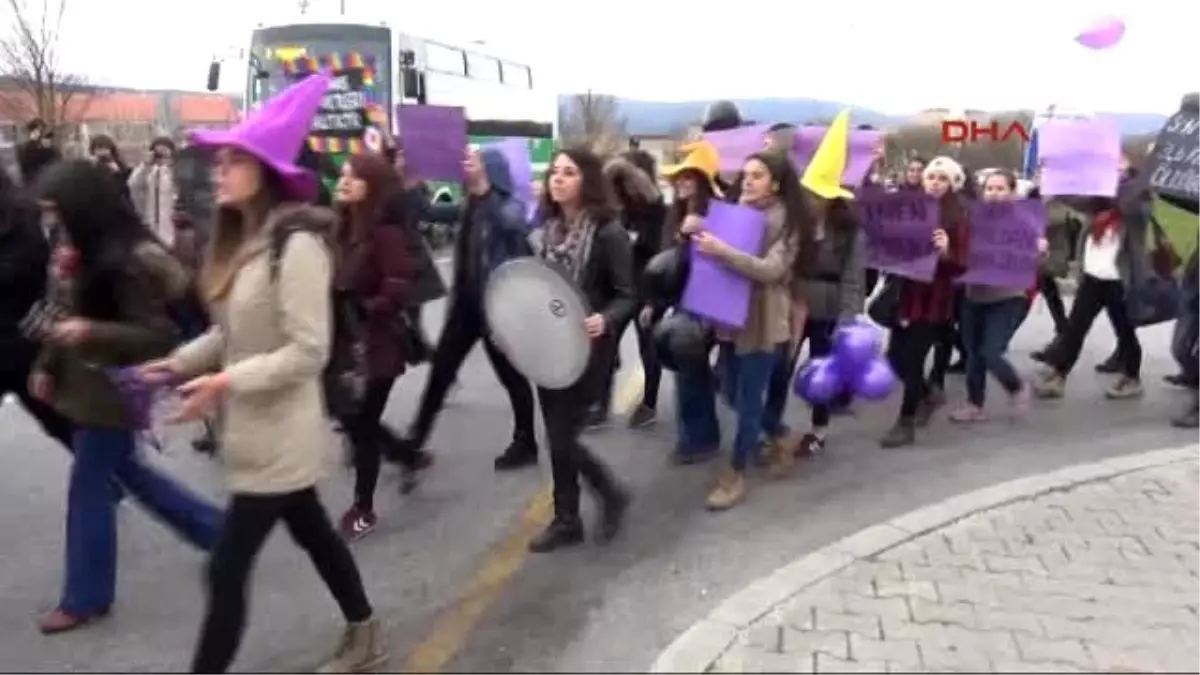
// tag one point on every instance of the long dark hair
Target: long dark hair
(101, 225)
(13, 204)
(595, 194)
(356, 220)
(697, 205)
(799, 222)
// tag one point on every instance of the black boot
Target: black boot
(1110, 365)
(1189, 416)
(520, 453)
(563, 531)
(613, 505)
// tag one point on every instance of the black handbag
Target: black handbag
(344, 380)
(885, 308)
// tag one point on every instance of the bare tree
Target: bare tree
(31, 84)
(594, 120)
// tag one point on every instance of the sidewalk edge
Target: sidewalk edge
(697, 648)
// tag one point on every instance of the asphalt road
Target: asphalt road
(447, 568)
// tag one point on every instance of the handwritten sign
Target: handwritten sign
(1080, 157)
(343, 110)
(1174, 166)
(1004, 239)
(899, 232)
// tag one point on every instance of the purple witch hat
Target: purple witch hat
(276, 133)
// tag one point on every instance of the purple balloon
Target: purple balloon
(876, 381)
(819, 381)
(854, 346)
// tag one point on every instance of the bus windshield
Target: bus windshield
(287, 53)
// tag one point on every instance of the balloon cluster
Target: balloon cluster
(855, 366)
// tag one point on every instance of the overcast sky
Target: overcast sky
(893, 56)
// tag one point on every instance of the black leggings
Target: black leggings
(564, 412)
(368, 435)
(248, 521)
(1048, 287)
(651, 368)
(907, 351)
(464, 327)
(1093, 296)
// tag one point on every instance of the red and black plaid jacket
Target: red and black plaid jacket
(933, 301)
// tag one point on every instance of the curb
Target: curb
(705, 641)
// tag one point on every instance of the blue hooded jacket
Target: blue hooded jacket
(494, 229)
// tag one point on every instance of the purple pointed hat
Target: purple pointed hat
(276, 133)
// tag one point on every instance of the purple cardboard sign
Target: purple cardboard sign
(899, 232)
(434, 139)
(735, 145)
(1079, 157)
(713, 290)
(1004, 238)
(520, 166)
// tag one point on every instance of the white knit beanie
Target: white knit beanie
(949, 168)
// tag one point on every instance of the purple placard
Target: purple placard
(434, 139)
(861, 152)
(899, 232)
(1004, 237)
(735, 145)
(1079, 157)
(520, 167)
(713, 290)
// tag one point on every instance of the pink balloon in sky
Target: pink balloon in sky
(1102, 33)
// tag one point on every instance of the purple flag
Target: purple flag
(862, 142)
(434, 139)
(714, 291)
(520, 165)
(735, 145)
(899, 232)
(1004, 237)
(1079, 157)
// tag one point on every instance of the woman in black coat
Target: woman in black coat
(583, 236)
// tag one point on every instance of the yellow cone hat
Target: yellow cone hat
(823, 177)
(703, 158)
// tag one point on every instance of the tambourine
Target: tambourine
(535, 315)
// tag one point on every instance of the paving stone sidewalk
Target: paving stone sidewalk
(1101, 576)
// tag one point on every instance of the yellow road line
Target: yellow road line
(454, 625)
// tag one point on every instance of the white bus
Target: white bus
(499, 95)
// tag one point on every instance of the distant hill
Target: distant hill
(657, 118)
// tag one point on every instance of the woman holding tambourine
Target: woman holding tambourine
(583, 237)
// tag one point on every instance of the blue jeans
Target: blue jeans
(987, 328)
(744, 379)
(102, 454)
(696, 411)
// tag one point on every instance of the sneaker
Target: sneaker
(729, 491)
(643, 416)
(357, 523)
(519, 454)
(1176, 380)
(62, 621)
(361, 650)
(1189, 416)
(811, 445)
(560, 533)
(968, 414)
(1125, 387)
(1050, 385)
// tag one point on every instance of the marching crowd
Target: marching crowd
(304, 307)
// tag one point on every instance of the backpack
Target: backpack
(344, 379)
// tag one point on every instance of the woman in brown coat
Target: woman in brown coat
(374, 275)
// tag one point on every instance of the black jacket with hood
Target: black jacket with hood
(493, 230)
(24, 261)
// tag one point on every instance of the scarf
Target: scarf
(1104, 223)
(569, 246)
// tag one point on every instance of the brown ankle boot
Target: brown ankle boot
(362, 649)
(904, 432)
